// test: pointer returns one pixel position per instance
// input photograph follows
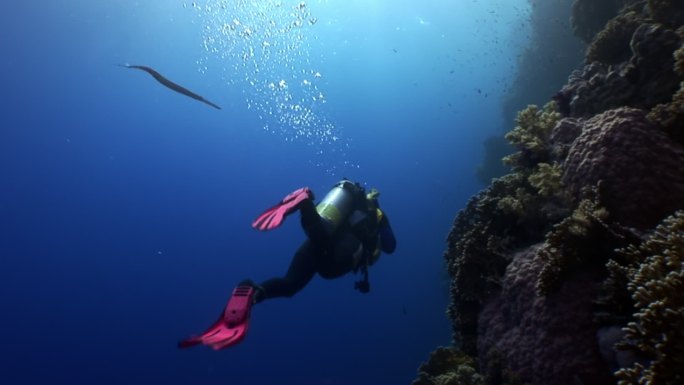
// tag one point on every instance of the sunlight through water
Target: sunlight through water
(263, 48)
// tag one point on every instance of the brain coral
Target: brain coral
(640, 166)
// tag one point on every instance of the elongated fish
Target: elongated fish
(169, 84)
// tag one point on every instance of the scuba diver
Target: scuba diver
(346, 232)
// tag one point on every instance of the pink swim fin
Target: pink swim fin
(274, 217)
(232, 325)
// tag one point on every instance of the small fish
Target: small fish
(169, 84)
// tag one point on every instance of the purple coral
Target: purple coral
(640, 166)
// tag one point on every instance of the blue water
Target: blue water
(125, 208)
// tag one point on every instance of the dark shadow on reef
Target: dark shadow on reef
(570, 269)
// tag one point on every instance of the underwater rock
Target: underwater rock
(640, 167)
(543, 340)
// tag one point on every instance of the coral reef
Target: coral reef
(667, 12)
(590, 16)
(634, 158)
(531, 136)
(542, 69)
(656, 284)
(448, 366)
(630, 63)
(670, 116)
(545, 288)
(611, 45)
(584, 240)
(543, 340)
(593, 89)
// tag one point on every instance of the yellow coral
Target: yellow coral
(547, 179)
(531, 135)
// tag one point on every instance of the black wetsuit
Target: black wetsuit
(329, 256)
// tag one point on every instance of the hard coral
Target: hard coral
(541, 340)
(657, 287)
(671, 116)
(640, 166)
(611, 45)
(547, 179)
(504, 216)
(594, 89)
(583, 240)
(589, 16)
(651, 67)
(531, 136)
(667, 12)
(448, 366)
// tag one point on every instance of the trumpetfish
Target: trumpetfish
(169, 84)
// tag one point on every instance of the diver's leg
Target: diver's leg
(299, 274)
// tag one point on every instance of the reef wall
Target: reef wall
(542, 68)
(570, 269)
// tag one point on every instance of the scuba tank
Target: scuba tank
(339, 203)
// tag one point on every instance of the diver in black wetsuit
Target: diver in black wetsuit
(346, 232)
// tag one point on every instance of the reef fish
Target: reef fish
(169, 84)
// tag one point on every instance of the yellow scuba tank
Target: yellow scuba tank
(340, 201)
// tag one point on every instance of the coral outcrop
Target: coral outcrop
(542, 69)
(590, 16)
(448, 366)
(640, 166)
(543, 340)
(611, 45)
(570, 269)
(631, 62)
(655, 281)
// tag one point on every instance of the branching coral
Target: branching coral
(583, 239)
(656, 282)
(547, 179)
(570, 243)
(531, 136)
(448, 366)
